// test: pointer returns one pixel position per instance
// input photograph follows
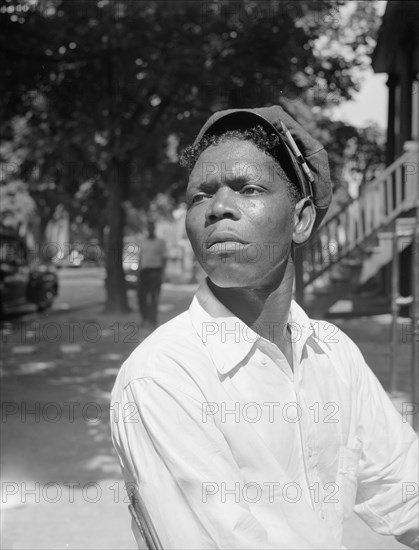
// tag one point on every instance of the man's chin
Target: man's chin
(233, 277)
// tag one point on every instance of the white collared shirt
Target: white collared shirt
(232, 449)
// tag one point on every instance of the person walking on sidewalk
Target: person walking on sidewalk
(152, 263)
(242, 422)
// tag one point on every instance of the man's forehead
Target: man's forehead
(216, 167)
(233, 154)
(232, 147)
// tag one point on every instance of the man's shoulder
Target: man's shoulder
(164, 353)
(330, 335)
(344, 354)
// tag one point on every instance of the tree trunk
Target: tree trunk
(44, 249)
(101, 237)
(116, 301)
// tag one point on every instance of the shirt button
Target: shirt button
(310, 452)
(322, 514)
(263, 361)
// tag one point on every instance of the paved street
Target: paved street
(61, 484)
(61, 481)
(79, 287)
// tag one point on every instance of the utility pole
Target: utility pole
(415, 320)
(395, 266)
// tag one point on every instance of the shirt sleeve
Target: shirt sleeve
(387, 496)
(184, 469)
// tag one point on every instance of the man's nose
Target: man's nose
(223, 205)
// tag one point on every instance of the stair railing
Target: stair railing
(380, 203)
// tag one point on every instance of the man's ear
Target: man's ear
(304, 217)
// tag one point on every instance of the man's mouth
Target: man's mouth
(225, 247)
(225, 241)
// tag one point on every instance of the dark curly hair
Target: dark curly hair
(268, 143)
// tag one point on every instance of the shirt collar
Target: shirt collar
(301, 328)
(229, 340)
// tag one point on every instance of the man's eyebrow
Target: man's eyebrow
(204, 186)
(207, 185)
(230, 179)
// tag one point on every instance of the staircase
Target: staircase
(382, 254)
(352, 246)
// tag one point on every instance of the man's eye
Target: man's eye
(199, 197)
(250, 190)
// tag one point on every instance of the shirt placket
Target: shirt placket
(307, 439)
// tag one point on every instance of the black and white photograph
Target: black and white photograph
(209, 274)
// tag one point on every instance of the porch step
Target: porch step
(358, 307)
(347, 306)
(382, 254)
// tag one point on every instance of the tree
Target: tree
(105, 83)
(356, 155)
(49, 179)
(17, 208)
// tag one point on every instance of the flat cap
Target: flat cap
(318, 185)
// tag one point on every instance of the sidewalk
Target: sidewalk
(64, 487)
(61, 481)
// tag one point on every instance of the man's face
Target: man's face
(239, 218)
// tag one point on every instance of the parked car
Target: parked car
(23, 280)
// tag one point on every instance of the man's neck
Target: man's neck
(265, 310)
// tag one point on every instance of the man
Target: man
(243, 423)
(152, 262)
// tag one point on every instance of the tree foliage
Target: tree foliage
(16, 205)
(102, 85)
